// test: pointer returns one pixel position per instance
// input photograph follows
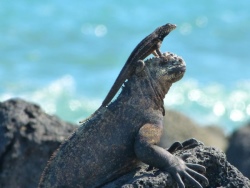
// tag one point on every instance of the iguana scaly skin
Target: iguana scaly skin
(115, 138)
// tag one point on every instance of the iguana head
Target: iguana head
(172, 68)
(152, 80)
(168, 68)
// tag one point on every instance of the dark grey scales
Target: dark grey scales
(117, 137)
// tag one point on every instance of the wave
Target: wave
(213, 103)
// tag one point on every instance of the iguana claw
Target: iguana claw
(188, 171)
(190, 143)
(187, 144)
(174, 147)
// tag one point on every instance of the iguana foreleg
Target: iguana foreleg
(148, 152)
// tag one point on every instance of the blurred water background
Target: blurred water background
(65, 55)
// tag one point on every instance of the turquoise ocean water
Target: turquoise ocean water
(65, 55)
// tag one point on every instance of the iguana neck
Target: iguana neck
(147, 92)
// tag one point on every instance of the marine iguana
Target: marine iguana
(117, 137)
(149, 45)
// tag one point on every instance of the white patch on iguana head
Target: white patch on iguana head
(139, 66)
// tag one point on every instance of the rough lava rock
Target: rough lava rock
(220, 172)
(238, 151)
(28, 137)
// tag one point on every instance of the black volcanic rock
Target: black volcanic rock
(219, 172)
(28, 137)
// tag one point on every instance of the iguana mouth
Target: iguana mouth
(176, 73)
(174, 65)
(177, 70)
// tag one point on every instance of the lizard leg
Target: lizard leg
(157, 53)
(157, 49)
(148, 152)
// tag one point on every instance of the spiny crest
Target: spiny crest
(170, 67)
(165, 59)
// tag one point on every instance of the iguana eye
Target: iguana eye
(162, 63)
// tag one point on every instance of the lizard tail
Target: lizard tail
(123, 75)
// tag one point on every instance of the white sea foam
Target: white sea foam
(212, 104)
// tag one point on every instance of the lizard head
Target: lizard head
(164, 30)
